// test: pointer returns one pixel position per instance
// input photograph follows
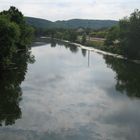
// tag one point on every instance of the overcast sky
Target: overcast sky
(69, 9)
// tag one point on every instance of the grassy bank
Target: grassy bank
(99, 43)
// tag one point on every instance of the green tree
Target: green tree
(10, 34)
(128, 34)
(72, 36)
(15, 34)
(14, 15)
(26, 31)
(84, 39)
(112, 35)
(26, 36)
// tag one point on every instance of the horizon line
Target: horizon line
(70, 19)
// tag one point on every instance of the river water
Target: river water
(68, 93)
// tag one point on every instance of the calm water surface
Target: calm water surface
(70, 94)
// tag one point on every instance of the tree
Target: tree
(112, 35)
(26, 31)
(14, 15)
(26, 36)
(128, 34)
(10, 33)
(15, 34)
(84, 38)
(72, 36)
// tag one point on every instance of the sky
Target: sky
(70, 9)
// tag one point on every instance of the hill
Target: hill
(39, 23)
(73, 23)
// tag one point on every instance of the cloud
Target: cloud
(68, 9)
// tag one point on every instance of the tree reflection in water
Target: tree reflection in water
(10, 90)
(127, 76)
(73, 48)
(84, 52)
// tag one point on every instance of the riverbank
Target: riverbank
(98, 51)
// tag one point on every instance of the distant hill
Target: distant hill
(73, 23)
(39, 23)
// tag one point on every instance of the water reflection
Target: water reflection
(65, 99)
(127, 76)
(84, 52)
(73, 48)
(127, 73)
(73, 101)
(10, 90)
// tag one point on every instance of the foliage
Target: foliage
(102, 33)
(64, 34)
(26, 36)
(10, 33)
(128, 35)
(15, 34)
(84, 39)
(71, 24)
(14, 15)
(113, 34)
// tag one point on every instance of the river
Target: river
(69, 93)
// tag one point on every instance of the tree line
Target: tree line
(15, 34)
(125, 37)
(15, 39)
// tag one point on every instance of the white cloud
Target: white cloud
(68, 9)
